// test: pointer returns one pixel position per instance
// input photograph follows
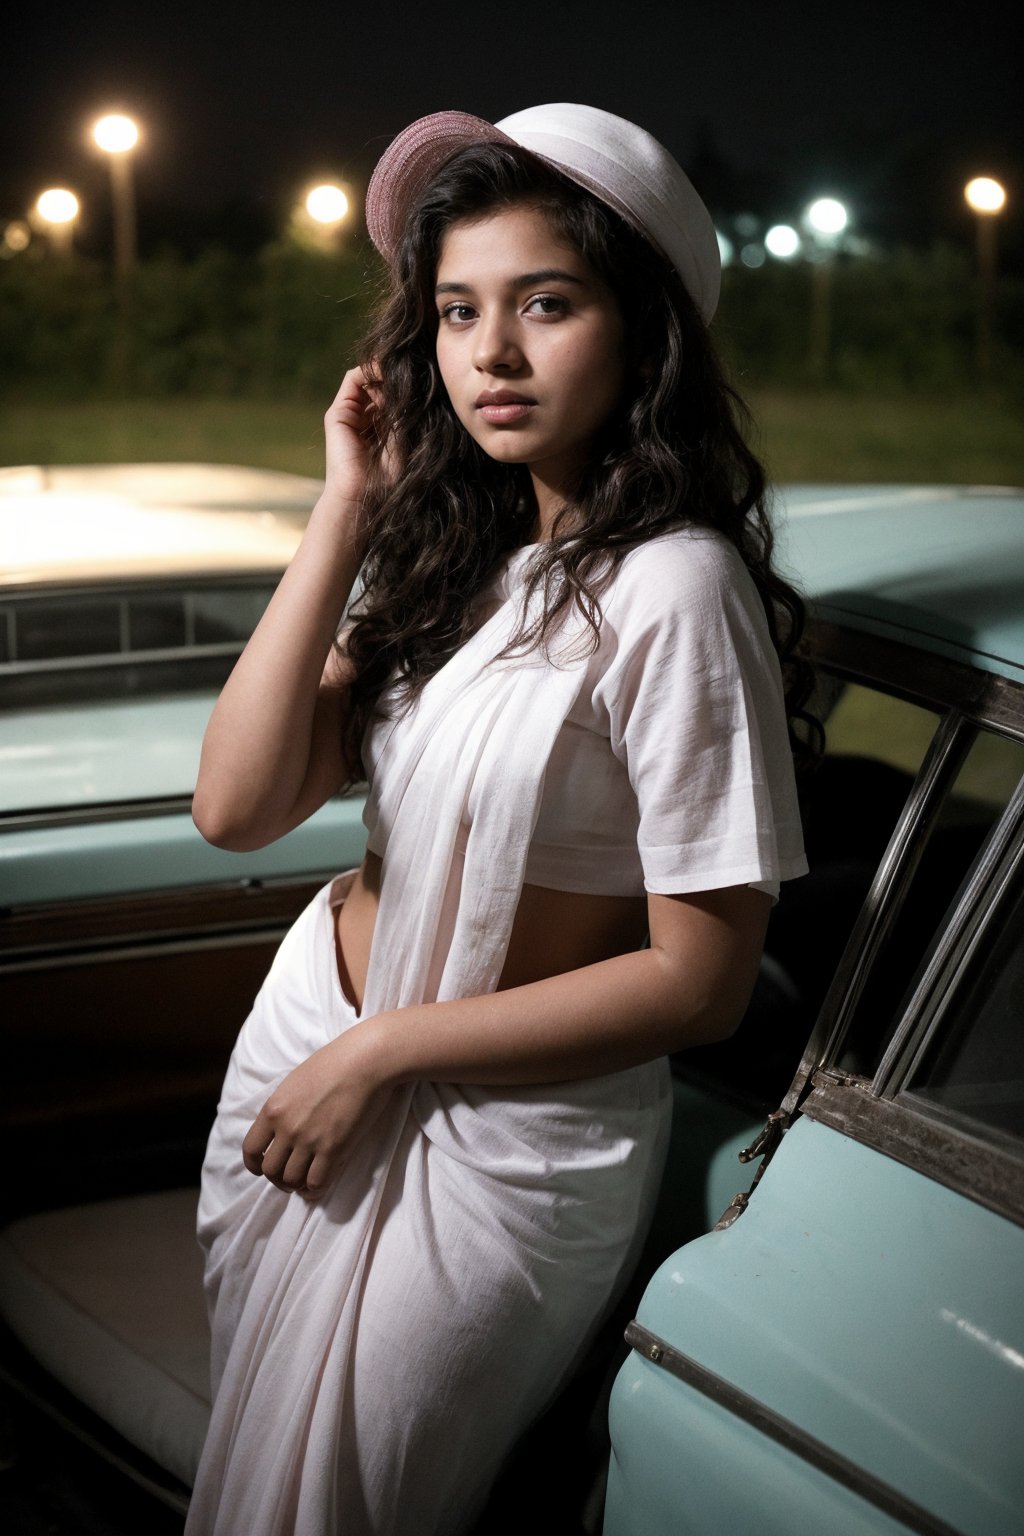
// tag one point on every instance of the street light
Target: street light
(117, 135)
(318, 218)
(986, 197)
(782, 242)
(327, 204)
(58, 209)
(826, 219)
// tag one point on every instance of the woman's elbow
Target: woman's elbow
(221, 825)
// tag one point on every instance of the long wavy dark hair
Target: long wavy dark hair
(440, 513)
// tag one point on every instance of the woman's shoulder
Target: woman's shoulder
(675, 569)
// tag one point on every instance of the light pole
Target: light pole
(58, 209)
(117, 135)
(986, 197)
(826, 218)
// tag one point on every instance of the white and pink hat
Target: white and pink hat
(621, 164)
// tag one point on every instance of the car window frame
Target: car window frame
(974, 1160)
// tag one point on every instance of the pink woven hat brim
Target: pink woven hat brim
(410, 163)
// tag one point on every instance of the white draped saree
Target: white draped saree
(376, 1354)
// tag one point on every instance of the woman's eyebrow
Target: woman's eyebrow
(525, 280)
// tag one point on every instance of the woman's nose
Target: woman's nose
(496, 344)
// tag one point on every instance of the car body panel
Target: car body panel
(73, 861)
(849, 1297)
(939, 567)
(90, 754)
(867, 1304)
(66, 526)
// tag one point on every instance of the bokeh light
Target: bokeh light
(17, 236)
(985, 195)
(782, 241)
(725, 247)
(827, 216)
(327, 204)
(115, 133)
(57, 205)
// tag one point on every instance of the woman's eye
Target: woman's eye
(457, 314)
(548, 304)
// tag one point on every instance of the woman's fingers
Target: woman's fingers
(301, 1135)
(257, 1139)
(354, 406)
(286, 1167)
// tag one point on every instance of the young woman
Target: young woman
(443, 1126)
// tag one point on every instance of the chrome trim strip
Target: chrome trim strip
(273, 932)
(116, 810)
(767, 1422)
(89, 815)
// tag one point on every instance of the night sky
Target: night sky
(890, 106)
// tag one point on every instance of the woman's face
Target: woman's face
(530, 345)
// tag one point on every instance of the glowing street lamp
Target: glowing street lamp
(827, 217)
(319, 216)
(782, 242)
(117, 135)
(986, 198)
(58, 209)
(327, 205)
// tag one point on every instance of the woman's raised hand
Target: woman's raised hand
(350, 433)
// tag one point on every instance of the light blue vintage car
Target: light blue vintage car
(126, 594)
(844, 1352)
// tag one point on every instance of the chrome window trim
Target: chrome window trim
(946, 752)
(920, 677)
(974, 1160)
(978, 907)
(786, 1433)
(124, 593)
(122, 658)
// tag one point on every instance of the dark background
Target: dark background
(889, 106)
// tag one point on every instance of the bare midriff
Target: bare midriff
(553, 931)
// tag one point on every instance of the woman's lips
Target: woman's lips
(502, 415)
(501, 407)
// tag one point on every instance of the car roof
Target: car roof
(137, 522)
(938, 567)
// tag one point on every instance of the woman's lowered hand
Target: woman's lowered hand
(300, 1137)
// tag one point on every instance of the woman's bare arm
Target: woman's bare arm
(272, 752)
(690, 987)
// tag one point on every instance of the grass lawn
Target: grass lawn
(804, 435)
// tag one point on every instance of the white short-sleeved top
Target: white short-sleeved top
(672, 772)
